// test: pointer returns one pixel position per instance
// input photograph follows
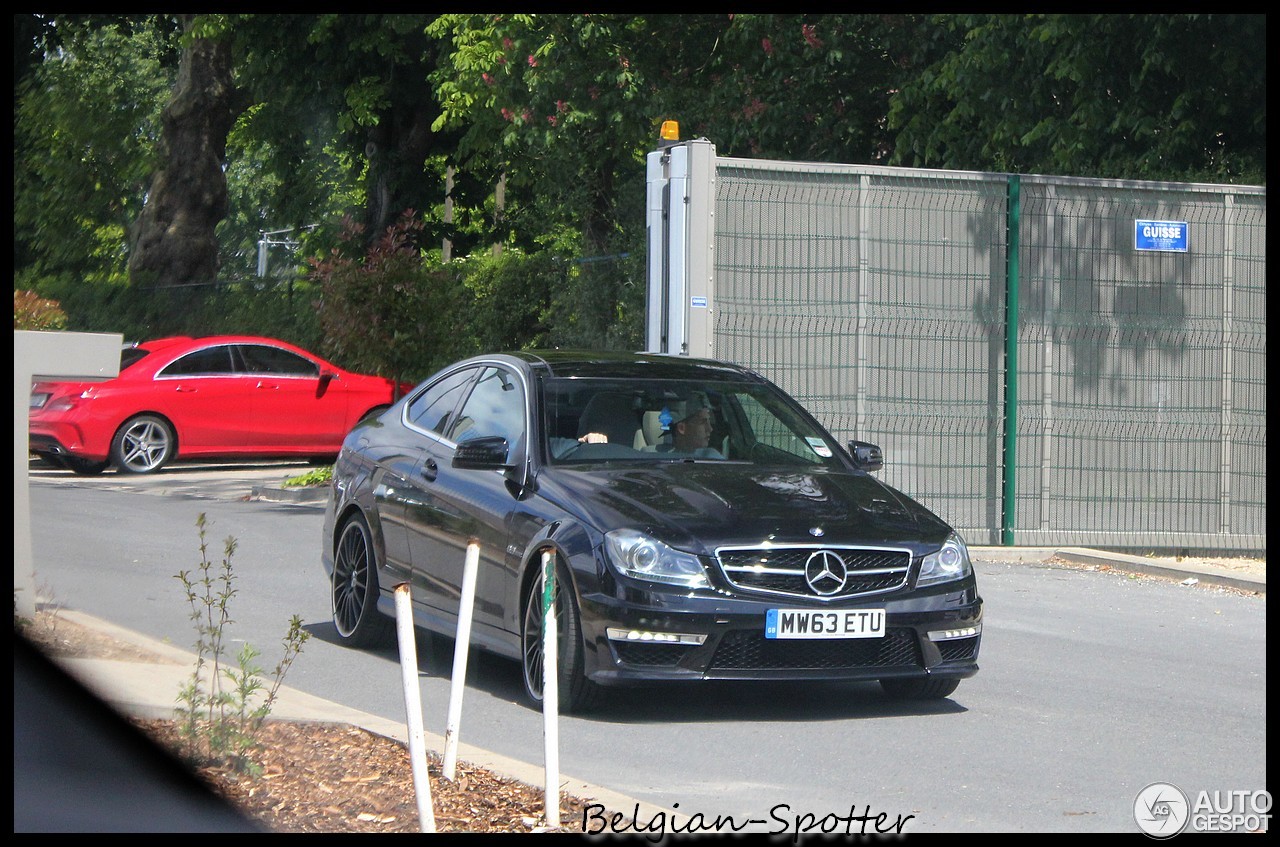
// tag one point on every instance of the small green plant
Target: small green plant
(220, 713)
(319, 476)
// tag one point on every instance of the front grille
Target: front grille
(781, 571)
(958, 649)
(750, 650)
(651, 654)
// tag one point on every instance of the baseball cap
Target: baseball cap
(679, 410)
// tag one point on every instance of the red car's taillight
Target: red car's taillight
(65, 402)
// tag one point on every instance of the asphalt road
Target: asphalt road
(1093, 684)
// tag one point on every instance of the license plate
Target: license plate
(824, 623)
(38, 400)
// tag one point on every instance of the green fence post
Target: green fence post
(1010, 457)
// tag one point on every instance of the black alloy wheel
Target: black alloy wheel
(577, 693)
(355, 589)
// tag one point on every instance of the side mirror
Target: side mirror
(866, 456)
(327, 377)
(481, 454)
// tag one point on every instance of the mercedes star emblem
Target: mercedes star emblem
(825, 572)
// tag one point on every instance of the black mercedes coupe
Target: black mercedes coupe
(701, 525)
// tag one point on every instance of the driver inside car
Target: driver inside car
(689, 424)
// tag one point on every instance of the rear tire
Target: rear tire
(83, 467)
(577, 693)
(354, 589)
(143, 445)
(917, 688)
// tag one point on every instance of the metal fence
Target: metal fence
(1035, 376)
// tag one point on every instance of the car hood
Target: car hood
(700, 506)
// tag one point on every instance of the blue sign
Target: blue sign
(698, 302)
(1160, 235)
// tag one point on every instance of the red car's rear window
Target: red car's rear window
(132, 355)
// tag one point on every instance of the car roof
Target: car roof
(161, 343)
(614, 365)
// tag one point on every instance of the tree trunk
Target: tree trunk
(173, 241)
(396, 147)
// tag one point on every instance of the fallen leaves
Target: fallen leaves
(341, 778)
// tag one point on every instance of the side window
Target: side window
(211, 361)
(262, 359)
(432, 410)
(495, 407)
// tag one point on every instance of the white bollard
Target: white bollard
(550, 690)
(413, 708)
(460, 648)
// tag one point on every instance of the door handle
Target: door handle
(269, 385)
(430, 470)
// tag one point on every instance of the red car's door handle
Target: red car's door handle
(182, 389)
(270, 385)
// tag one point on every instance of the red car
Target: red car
(186, 398)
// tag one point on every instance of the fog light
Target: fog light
(952, 634)
(617, 634)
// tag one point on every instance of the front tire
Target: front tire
(917, 688)
(354, 589)
(577, 693)
(143, 445)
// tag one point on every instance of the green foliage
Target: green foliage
(279, 310)
(388, 311)
(555, 103)
(311, 479)
(363, 115)
(86, 120)
(511, 297)
(33, 312)
(106, 305)
(785, 86)
(600, 304)
(1161, 97)
(223, 705)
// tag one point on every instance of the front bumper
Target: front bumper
(931, 635)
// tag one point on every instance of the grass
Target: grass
(319, 476)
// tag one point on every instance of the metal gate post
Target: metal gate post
(1011, 365)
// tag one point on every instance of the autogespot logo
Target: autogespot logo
(1161, 810)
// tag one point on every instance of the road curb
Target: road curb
(300, 494)
(1174, 570)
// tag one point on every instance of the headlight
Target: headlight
(948, 563)
(639, 556)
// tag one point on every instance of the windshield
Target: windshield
(597, 420)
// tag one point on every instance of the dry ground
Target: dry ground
(331, 778)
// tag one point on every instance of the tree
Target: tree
(344, 115)
(568, 106)
(173, 242)
(86, 117)
(796, 87)
(363, 114)
(1162, 97)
